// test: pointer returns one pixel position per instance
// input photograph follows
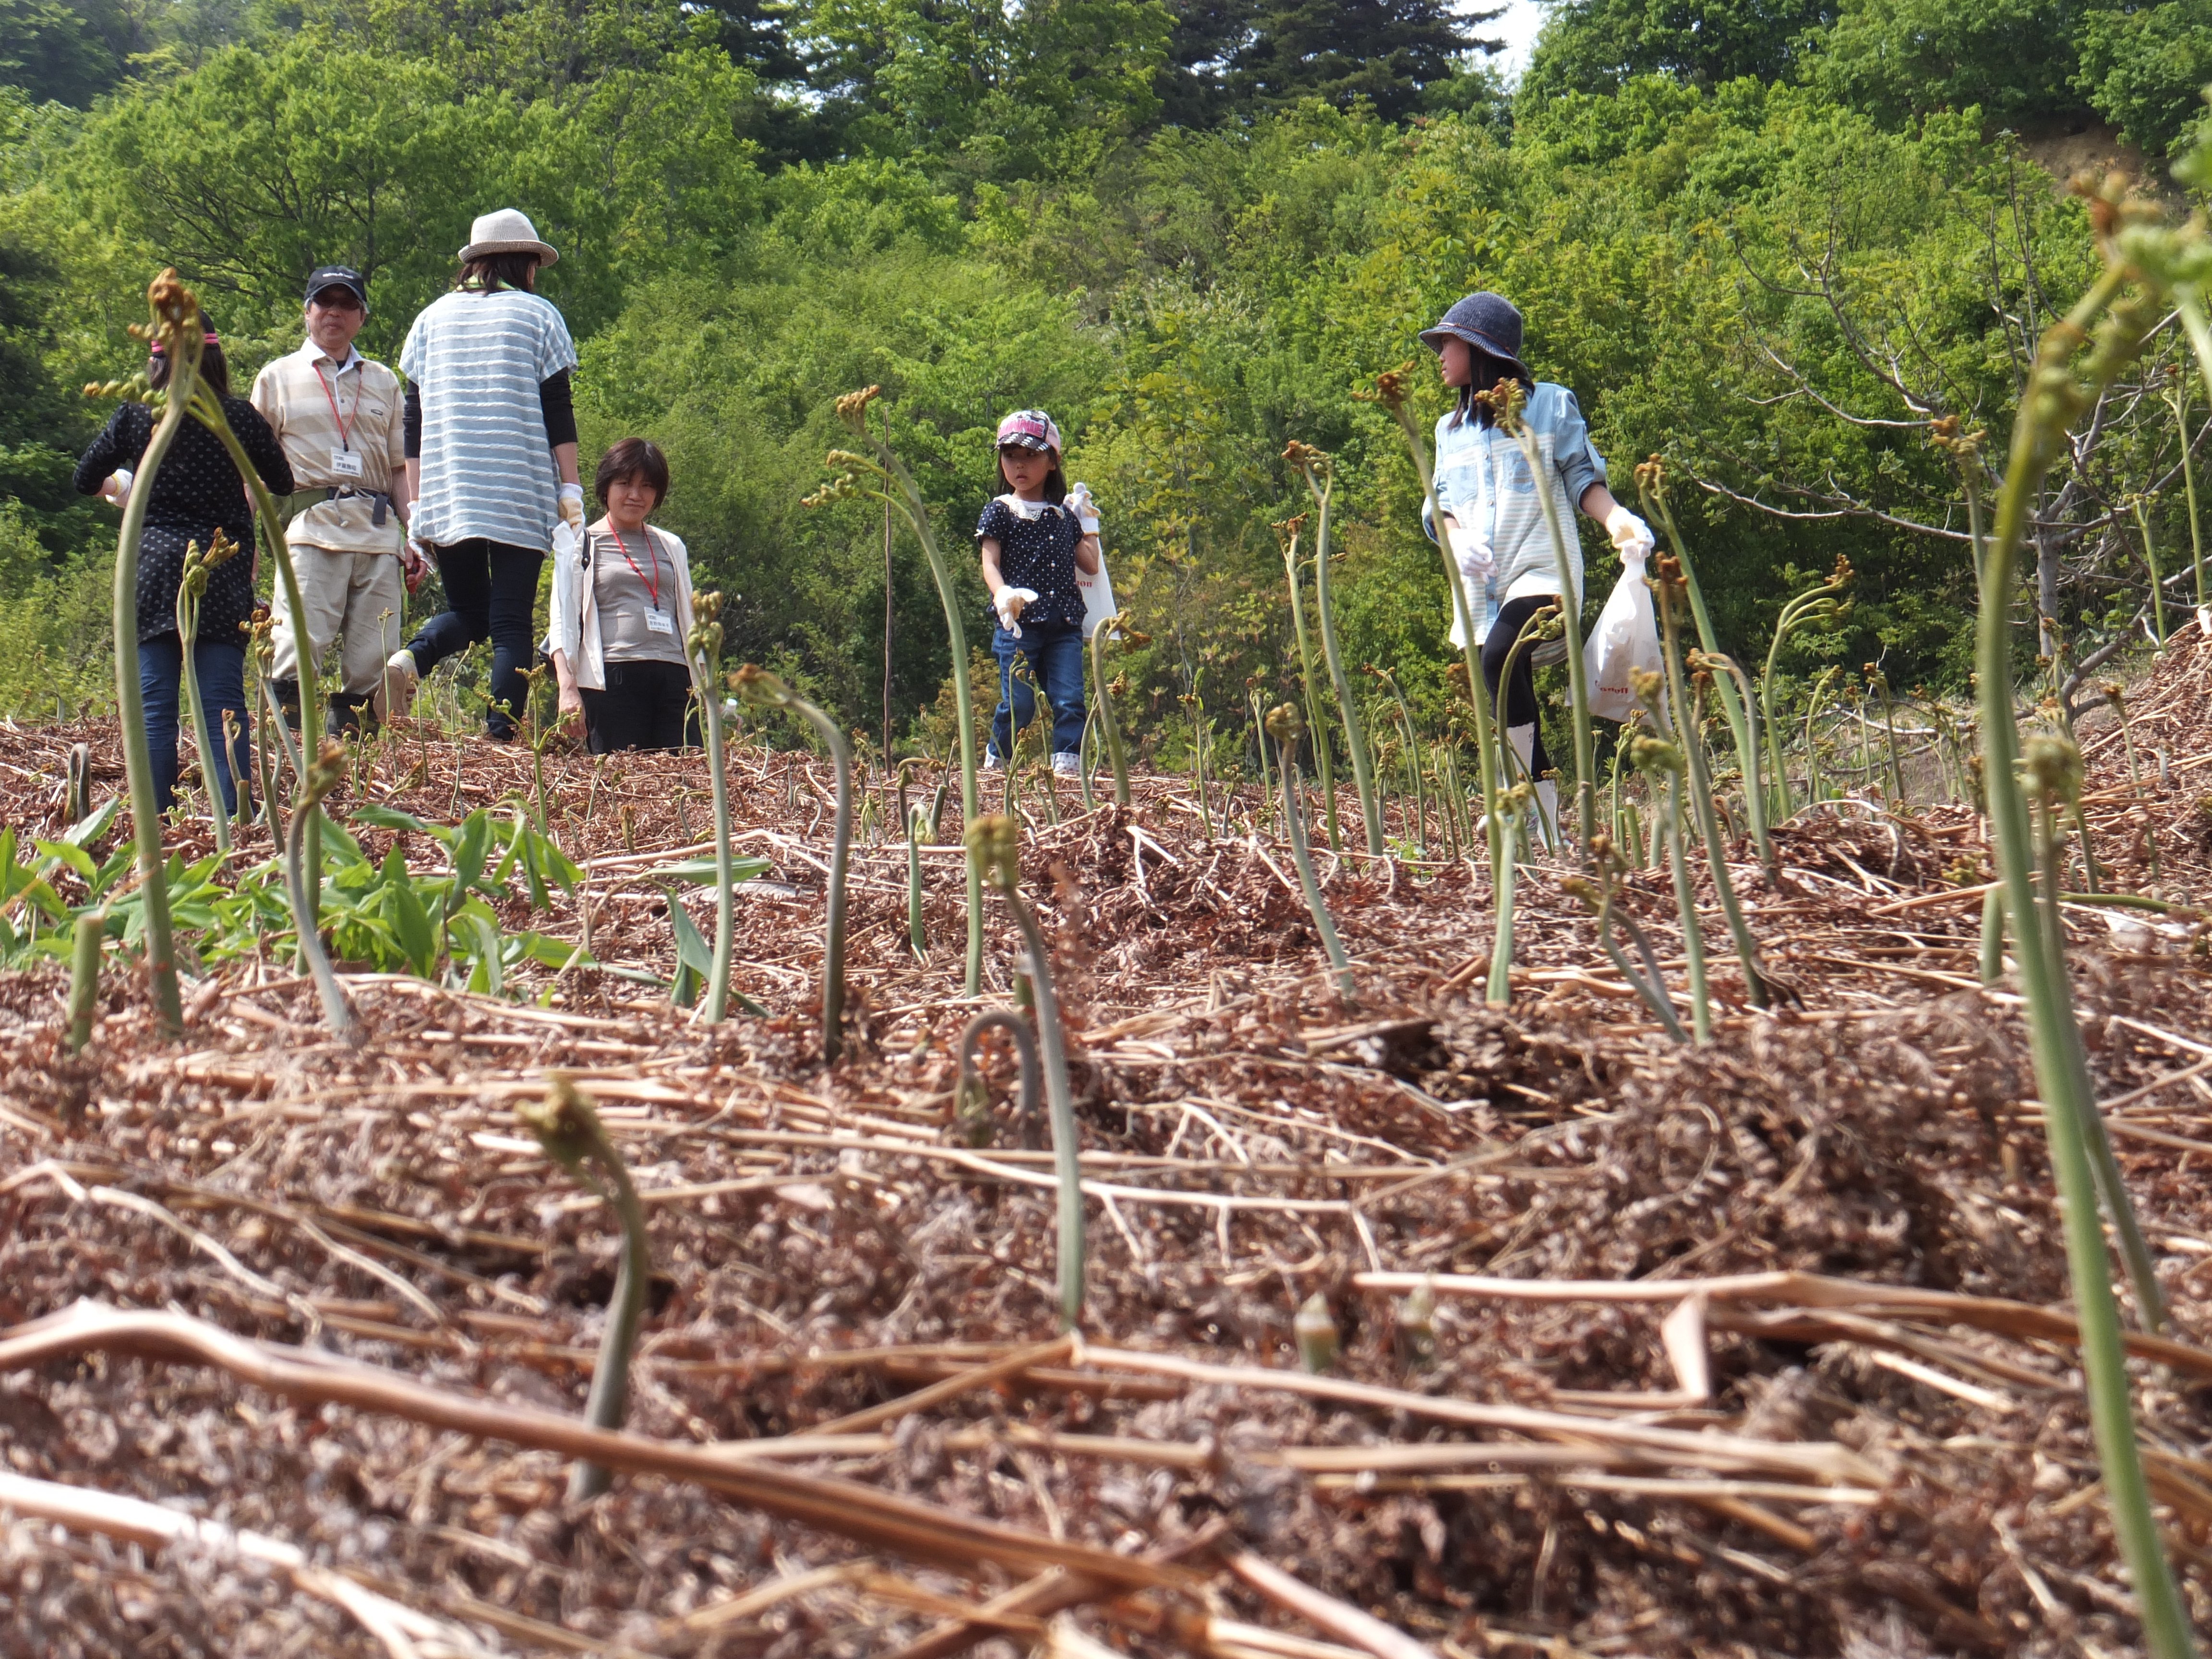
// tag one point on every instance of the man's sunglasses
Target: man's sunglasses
(337, 299)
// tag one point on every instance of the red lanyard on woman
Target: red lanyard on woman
(343, 425)
(653, 582)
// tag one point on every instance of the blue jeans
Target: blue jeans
(1056, 654)
(221, 669)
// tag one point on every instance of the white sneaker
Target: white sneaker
(401, 677)
(1068, 766)
(990, 760)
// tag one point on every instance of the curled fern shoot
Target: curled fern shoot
(972, 1100)
(1320, 475)
(1110, 728)
(323, 774)
(702, 653)
(192, 588)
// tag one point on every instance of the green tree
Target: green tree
(47, 49)
(1595, 45)
(2015, 60)
(2145, 70)
(1385, 51)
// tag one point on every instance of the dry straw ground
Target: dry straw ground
(1837, 1413)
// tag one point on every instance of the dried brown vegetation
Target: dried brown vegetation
(1744, 1470)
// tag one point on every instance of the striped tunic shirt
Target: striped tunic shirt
(478, 360)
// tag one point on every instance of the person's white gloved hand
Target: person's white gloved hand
(118, 486)
(572, 506)
(1477, 563)
(1085, 509)
(1631, 537)
(1008, 603)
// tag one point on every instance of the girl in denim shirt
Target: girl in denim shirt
(1493, 518)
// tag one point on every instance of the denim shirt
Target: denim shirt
(1483, 482)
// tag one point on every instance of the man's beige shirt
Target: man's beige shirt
(306, 398)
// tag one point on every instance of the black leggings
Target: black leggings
(1520, 695)
(491, 588)
(644, 707)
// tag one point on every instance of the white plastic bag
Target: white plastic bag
(1626, 639)
(1097, 596)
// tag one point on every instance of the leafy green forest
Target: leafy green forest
(1771, 240)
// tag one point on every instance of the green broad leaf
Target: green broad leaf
(513, 850)
(481, 942)
(410, 921)
(688, 982)
(75, 858)
(340, 848)
(691, 949)
(530, 852)
(118, 866)
(373, 816)
(393, 871)
(553, 952)
(701, 871)
(559, 868)
(469, 848)
(92, 829)
(748, 1005)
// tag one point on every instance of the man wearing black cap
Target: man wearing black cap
(338, 418)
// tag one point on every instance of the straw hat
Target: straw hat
(507, 231)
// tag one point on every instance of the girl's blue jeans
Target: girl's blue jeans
(1055, 651)
(221, 670)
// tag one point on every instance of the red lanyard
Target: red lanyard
(333, 396)
(653, 582)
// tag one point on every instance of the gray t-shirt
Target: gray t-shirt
(633, 586)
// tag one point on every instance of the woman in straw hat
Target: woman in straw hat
(491, 455)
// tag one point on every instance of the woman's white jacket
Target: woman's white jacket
(573, 624)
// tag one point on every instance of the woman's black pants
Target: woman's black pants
(491, 588)
(647, 705)
(1520, 695)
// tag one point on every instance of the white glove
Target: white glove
(121, 478)
(572, 506)
(1008, 603)
(1085, 510)
(1477, 563)
(1631, 537)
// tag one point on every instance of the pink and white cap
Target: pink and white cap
(1030, 429)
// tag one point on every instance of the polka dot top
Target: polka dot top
(1038, 553)
(196, 489)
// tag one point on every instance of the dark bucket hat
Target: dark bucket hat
(1487, 322)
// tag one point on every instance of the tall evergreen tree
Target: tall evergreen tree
(1386, 52)
(1593, 46)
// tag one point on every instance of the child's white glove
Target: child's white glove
(1085, 510)
(1477, 563)
(1008, 603)
(120, 482)
(1631, 537)
(572, 506)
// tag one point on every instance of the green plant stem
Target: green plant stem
(760, 686)
(1651, 989)
(2062, 1081)
(1811, 754)
(1686, 903)
(995, 844)
(1355, 736)
(1109, 727)
(1470, 652)
(1993, 936)
(717, 1005)
(316, 782)
(1755, 787)
(188, 629)
(2150, 561)
(1508, 757)
(208, 411)
(1499, 994)
(917, 928)
(1736, 707)
(90, 931)
(1294, 825)
(2177, 400)
(1571, 618)
(1316, 724)
(138, 755)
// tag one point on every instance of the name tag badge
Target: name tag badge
(345, 463)
(657, 623)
